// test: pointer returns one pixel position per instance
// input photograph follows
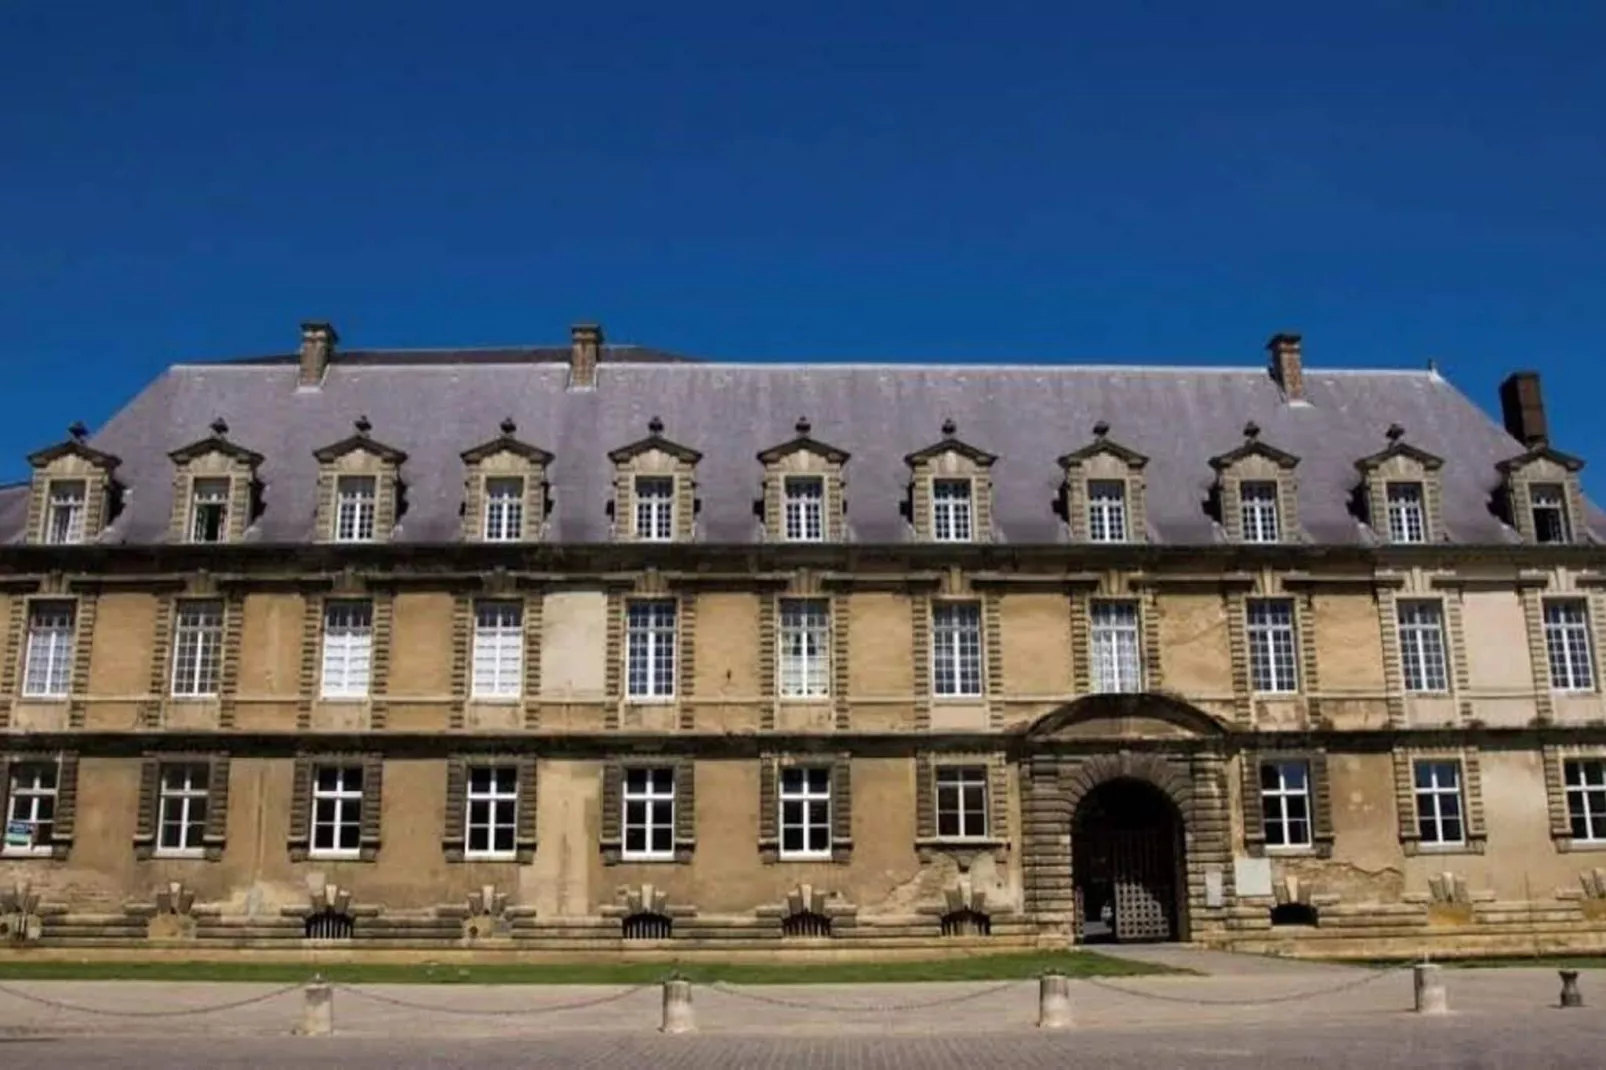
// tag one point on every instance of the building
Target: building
(597, 647)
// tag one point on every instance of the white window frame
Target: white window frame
(805, 790)
(803, 508)
(348, 649)
(1115, 643)
(504, 509)
(1424, 657)
(1288, 782)
(1406, 502)
(957, 669)
(1569, 646)
(1273, 633)
(1432, 807)
(647, 806)
(52, 645)
(184, 787)
(953, 511)
(654, 500)
(67, 512)
(209, 494)
(26, 799)
(1584, 780)
(1550, 499)
(652, 652)
(1106, 510)
(804, 654)
(1258, 510)
(497, 661)
(961, 802)
(345, 796)
(356, 508)
(491, 804)
(197, 648)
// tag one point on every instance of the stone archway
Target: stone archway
(1128, 864)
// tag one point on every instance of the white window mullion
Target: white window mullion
(498, 650)
(47, 665)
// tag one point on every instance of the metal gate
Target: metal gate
(1126, 847)
(1143, 885)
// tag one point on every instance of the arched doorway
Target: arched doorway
(1128, 865)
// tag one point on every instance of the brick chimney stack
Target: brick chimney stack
(1286, 365)
(585, 350)
(318, 342)
(1522, 403)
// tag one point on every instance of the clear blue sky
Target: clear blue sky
(1147, 181)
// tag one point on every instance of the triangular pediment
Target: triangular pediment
(1429, 461)
(1253, 447)
(507, 444)
(655, 440)
(75, 446)
(1143, 716)
(1541, 452)
(803, 443)
(1103, 446)
(216, 443)
(359, 443)
(951, 444)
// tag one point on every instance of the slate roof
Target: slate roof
(434, 404)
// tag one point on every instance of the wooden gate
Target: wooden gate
(1126, 864)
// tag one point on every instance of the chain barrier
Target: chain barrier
(513, 1012)
(180, 1012)
(1294, 997)
(874, 1008)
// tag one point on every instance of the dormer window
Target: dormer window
(951, 510)
(804, 508)
(655, 508)
(1106, 510)
(804, 484)
(1407, 513)
(1104, 490)
(504, 509)
(1548, 502)
(1258, 510)
(214, 481)
(64, 524)
(1402, 490)
(360, 487)
(209, 510)
(504, 488)
(951, 492)
(356, 505)
(655, 489)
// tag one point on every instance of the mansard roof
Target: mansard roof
(434, 409)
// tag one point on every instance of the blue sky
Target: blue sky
(1145, 181)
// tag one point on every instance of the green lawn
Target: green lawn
(974, 968)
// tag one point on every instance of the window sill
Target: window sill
(45, 700)
(496, 700)
(650, 700)
(490, 856)
(188, 853)
(343, 699)
(964, 850)
(809, 856)
(1474, 847)
(1568, 845)
(967, 698)
(649, 860)
(28, 852)
(804, 700)
(209, 697)
(334, 856)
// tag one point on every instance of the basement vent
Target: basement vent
(806, 926)
(1293, 914)
(966, 923)
(329, 925)
(648, 927)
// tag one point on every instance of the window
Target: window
(197, 649)
(1438, 802)
(355, 508)
(498, 650)
(806, 812)
(1285, 803)
(805, 509)
(31, 804)
(47, 668)
(1259, 511)
(209, 510)
(1407, 517)
(504, 509)
(181, 808)
(348, 649)
(805, 648)
(1106, 510)
(1567, 643)
(961, 802)
(1586, 798)
(1273, 664)
(650, 649)
(655, 508)
(649, 814)
(1117, 666)
(950, 510)
(65, 517)
(491, 817)
(1422, 646)
(1549, 504)
(337, 811)
(956, 649)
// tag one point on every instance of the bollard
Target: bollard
(1570, 996)
(1431, 998)
(318, 1014)
(678, 1014)
(1054, 1002)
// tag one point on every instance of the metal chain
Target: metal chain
(613, 997)
(876, 1008)
(178, 1013)
(1375, 975)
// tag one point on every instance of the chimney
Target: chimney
(584, 352)
(1522, 403)
(317, 350)
(1286, 366)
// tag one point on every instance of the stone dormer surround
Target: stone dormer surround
(951, 458)
(71, 461)
(1541, 465)
(804, 455)
(1102, 460)
(213, 458)
(654, 456)
(359, 455)
(1257, 462)
(505, 457)
(1401, 462)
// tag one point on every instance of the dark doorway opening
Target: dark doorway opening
(1127, 862)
